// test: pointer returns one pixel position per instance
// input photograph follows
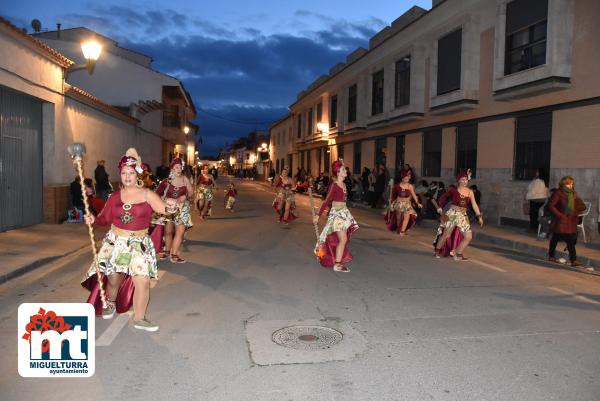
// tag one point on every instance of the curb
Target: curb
(36, 264)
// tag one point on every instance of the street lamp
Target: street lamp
(323, 129)
(186, 130)
(91, 50)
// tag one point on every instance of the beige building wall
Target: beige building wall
(368, 154)
(496, 144)
(413, 151)
(576, 138)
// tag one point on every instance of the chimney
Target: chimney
(58, 30)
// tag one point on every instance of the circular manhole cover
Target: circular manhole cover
(307, 338)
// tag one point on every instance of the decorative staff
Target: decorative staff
(77, 150)
(319, 251)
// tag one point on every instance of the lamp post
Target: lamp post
(91, 50)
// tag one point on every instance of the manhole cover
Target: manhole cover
(307, 338)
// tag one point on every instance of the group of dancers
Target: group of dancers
(129, 254)
(453, 234)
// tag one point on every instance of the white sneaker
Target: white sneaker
(109, 311)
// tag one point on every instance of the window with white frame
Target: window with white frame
(526, 30)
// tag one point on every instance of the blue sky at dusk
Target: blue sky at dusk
(244, 61)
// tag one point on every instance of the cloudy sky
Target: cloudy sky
(243, 62)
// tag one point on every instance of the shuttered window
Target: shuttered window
(466, 148)
(449, 63)
(532, 143)
(432, 153)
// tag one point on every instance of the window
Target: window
(377, 93)
(449, 64)
(357, 154)
(320, 112)
(532, 144)
(399, 152)
(326, 158)
(277, 166)
(309, 122)
(402, 89)
(333, 112)
(340, 151)
(380, 150)
(526, 26)
(466, 148)
(299, 122)
(308, 161)
(282, 164)
(352, 98)
(171, 117)
(432, 153)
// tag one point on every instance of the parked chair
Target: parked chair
(588, 207)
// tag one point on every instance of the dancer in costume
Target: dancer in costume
(205, 192)
(284, 202)
(402, 216)
(177, 187)
(333, 241)
(127, 254)
(456, 218)
(230, 195)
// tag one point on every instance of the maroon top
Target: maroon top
(456, 197)
(172, 191)
(231, 192)
(564, 223)
(137, 217)
(398, 191)
(335, 194)
(204, 181)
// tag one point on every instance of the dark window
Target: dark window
(357, 155)
(308, 161)
(432, 153)
(309, 122)
(352, 98)
(377, 93)
(380, 151)
(277, 166)
(299, 132)
(340, 149)
(289, 163)
(402, 91)
(533, 139)
(526, 26)
(333, 112)
(320, 112)
(399, 152)
(448, 69)
(466, 148)
(327, 158)
(171, 117)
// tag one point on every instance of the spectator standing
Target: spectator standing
(379, 187)
(102, 182)
(537, 193)
(565, 205)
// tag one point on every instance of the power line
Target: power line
(236, 121)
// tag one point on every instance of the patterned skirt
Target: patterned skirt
(128, 252)
(339, 219)
(283, 196)
(182, 217)
(229, 202)
(403, 206)
(458, 219)
(204, 193)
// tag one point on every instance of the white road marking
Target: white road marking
(425, 244)
(582, 298)
(489, 266)
(113, 330)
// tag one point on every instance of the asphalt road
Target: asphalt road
(501, 326)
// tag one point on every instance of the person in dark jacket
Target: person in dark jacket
(565, 205)
(379, 187)
(102, 183)
(76, 196)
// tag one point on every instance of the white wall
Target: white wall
(66, 120)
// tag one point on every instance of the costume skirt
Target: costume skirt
(339, 219)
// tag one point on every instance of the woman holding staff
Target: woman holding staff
(127, 251)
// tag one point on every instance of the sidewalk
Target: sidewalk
(512, 238)
(29, 248)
